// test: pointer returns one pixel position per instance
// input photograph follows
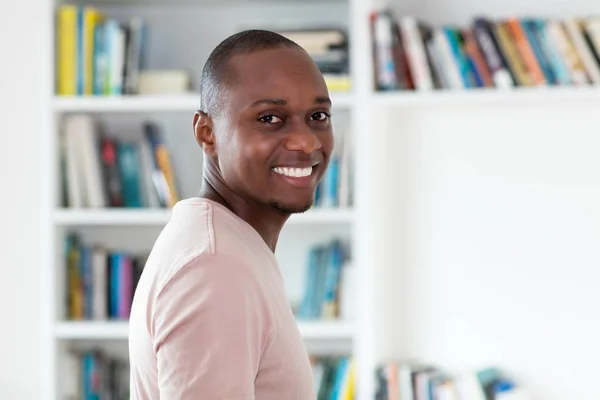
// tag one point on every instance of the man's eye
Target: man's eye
(319, 116)
(270, 119)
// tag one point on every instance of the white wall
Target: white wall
(21, 85)
(498, 207)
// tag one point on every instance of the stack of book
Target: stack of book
(410, 54)
(334, 377)
(93, 374)
(100, 282)
(97, 55)
(422, 381)
(329, 48)
(327, 282)
(97, 170)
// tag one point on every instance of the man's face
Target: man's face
(274, 136)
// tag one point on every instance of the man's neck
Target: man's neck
(267, 221)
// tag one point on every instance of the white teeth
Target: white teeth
(293, 172)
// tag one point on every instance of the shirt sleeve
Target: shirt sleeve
(209, 327)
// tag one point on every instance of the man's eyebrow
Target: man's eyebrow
(277, 102)
(323, 100)
(281, 102)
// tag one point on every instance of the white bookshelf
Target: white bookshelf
(136, 229)
(475, 222)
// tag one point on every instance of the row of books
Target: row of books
(93, 374)
(97, 55)
(100, 282)
(421, 381)
(334, 377)
(327, 277)
(98, 170)
(411, 54)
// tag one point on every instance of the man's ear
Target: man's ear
(203, 131)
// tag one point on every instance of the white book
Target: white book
(575, 31)
(74, 179)
(116, 37)
(447, 61)
(91, 167)
(99, 285)
(560, 38)
(150, 194)
(415, 53)
(445, 391)
(469, 387)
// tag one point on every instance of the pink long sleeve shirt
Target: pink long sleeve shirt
(210, 319)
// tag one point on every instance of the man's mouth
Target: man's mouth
(294, 172)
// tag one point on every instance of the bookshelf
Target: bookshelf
(88, 222)
(468, 204)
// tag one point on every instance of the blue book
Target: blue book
(330, 183)
(459, 56)
(129, 168)
(115, 274)
(529, 28)
(80, 51)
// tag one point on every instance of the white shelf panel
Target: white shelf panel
(152, 103)
(321, 330)
(116, 217)
(493, 96)
(80, 330)
(111, 217)
(146, 103)
(102, 330)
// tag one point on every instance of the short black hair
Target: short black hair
(216, 72)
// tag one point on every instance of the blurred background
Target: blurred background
(452, 251)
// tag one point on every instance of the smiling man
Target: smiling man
(210, 318)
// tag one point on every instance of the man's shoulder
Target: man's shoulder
(189, 232)
(203, 234)
(209, 227)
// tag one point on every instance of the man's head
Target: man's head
(265, 121)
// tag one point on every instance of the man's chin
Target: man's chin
(287, 208)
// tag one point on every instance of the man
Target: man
(210, 319)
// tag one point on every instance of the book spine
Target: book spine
(67, 50)
(511, 54)
(526, 54)
(490, 49)
(530, 31)
(555, 59)
(413, 44)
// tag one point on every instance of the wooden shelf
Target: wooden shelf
(104, 217)
(119, 330)
(188, 102)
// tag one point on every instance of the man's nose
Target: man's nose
(302, 138)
